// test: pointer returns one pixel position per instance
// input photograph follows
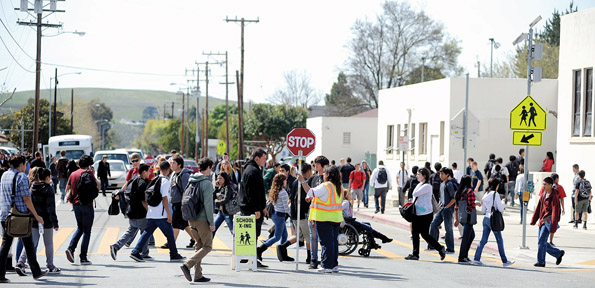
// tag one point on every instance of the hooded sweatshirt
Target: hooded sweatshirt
(42, 196)
(206, 188)
(252, 195)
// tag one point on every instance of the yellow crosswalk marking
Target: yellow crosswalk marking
(160, 239)
(389, 254)
(59, 238)
(592, 262)
(220, 246)
(109, 237)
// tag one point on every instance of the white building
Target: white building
(436, 116)
(342, 137)
(576, 139)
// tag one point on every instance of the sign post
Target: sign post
(244, 244)
(300, 142)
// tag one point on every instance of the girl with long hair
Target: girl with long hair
(224, 193)
(465, 193)
(280, 199)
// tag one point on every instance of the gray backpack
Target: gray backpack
(192, 201)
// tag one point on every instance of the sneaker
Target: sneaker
(164, 246)
(148, 257)
(387, 240)
(313, 265)
(323, 270)
(85, 261)
(376, 212)
(43, 273)
(508, 263)
(177, 257)
(69, 255)
(54, 270)
(464, 261)
(585, 226)
(559, 259)
(412, 257)
(203, 279)
(186, 272)
(191, 244)
(442, 253)
(448, 251)
(575, 226)
(477, 263)
(336, 269)
(20, 269)
(260, 265)
(571, 221)
(539, 264)
(113, 251)
(127, 244)
(137, 257)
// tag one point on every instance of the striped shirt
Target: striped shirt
(22, 190)
(282, 204)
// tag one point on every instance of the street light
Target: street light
(80, 33)
(52, 129)
(493, 45)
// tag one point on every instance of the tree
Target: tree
(271, 124)
(151, 112)
(385, 53)
(297, 91)
(341, 101)
(25, 115)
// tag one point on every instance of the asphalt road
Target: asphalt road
(384, 268)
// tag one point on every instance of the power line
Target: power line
(15, 40)
(15, 59)
(112, 71)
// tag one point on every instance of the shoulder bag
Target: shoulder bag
(496, 220)
(18, 224)
(232, 206)
(466, 216)
(435, 206)
(408, 211)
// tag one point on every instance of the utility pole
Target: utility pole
(197, 139)
(71, 111)
(53, 121)
(423, 66)
(38, 9)
(204, 143)
(172, 110)
(240, 81)
(182, 143)
(226, 96)
(205, 152)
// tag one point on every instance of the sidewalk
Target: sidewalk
(577, 243)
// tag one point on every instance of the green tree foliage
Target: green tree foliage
(341, 101)
(271, 124)
(25, 115)
(160, 136)
(151, 112)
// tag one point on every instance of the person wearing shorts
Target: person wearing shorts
(357, 178)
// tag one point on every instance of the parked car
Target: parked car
(118, 171)
(191, 165)
(114, 155)
(131, 151)
(9, 150)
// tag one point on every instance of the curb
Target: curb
(405, 225)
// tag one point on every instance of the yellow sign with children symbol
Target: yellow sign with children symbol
(528, 115)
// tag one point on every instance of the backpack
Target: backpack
(382, 177)
(584, 189)
(153, 193)
(488, 170)
(125, 196)
(86, 188)
(502, 179)
(192, 201)
(436, 181)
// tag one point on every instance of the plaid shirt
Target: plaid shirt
(470, 199)
(22, 190)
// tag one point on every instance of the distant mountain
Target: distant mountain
(125, 103)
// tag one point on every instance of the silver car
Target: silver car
(118, 170)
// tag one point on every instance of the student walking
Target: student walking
(465, 193)
(368, 173)
(547, 213)
(224, 192)
(402, 177)
(103, 172)
(447, 189)
(278, 195)
(356, 185)
(62, 167)
(423, 210)
(582, 198)
(491, 200)
(381, 181)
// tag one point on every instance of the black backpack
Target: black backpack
(86, 188)
(382, 177)
(436, 182)
(153, 193)
(584, 189)
(192, 201)
(502, 179)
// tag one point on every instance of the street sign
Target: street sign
(403, 143)
(244, 246)
(528, 115)
(523, 138)
(221, 146)
(301, 139)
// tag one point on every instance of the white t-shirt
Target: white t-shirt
(458, 175)
(158, 212)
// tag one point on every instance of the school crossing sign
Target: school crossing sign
(528, 115)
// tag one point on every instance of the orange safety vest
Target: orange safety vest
(328, 211)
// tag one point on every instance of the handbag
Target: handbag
(408, 211)
(114, 208)
(270, 208)
(18, 224)
(466, 216)
(496, 220)
(435, 206)
(232, 206)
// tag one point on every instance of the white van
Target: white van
(74, 145)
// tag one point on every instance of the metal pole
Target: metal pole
(491, 55)
(297, 231)
(71, 111)
(466, 121)
(240, 123)
(423, 64)
(37, 85)
(55, 99)
(22, 134)
(50, 111)
(226, 105)
(182, 142)
(526, 166)
(206, 152)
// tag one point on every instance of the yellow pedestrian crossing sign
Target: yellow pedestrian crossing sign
(528, 115)
(221, 147)
(526, 138)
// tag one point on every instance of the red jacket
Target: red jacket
(548, 207)
(547, 165)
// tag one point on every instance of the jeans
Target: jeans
(445, 215)
(421, 226)
(313, 240)
(380, 193)
(150, 227)
(84, 215)
(511, 193)
(487, 228)
(62, 182)
(104, 183)
(219, 220)
(468, 237)
(55, 184)
(48, 243)
(328, 232)
(366, 191)
(544, 246)
(31, 253)
(280, 230)
(134, 225)
(402, 196)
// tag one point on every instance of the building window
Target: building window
(390, 134)
(442, 138)
(346, 137)
(576, 123)
(412, 140)
(423, 138)
(588, 103)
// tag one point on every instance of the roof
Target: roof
(369, 113)
(317, 111)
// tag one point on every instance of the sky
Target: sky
(156, 42)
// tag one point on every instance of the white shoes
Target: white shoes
(477, 263)
(510, 262)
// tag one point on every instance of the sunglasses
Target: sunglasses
(134, 161)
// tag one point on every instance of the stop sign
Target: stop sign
(301, 139)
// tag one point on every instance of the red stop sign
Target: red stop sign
(301, 139)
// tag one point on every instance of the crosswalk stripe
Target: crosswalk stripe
(59, 238)
(160, 239)
(220, 246)
(109, 237)
(389, 254)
